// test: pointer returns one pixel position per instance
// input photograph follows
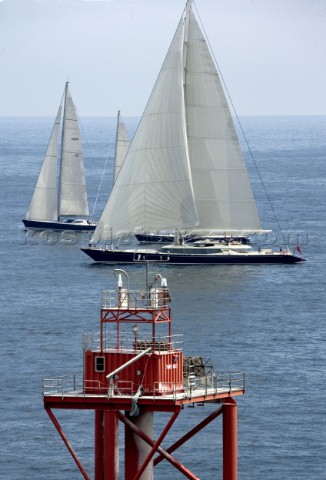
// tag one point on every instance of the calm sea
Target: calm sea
(268, 321)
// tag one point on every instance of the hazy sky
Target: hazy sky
(272, 53)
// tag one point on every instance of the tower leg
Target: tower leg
(106, 445)
(99, 444)
(136, 449)
(230, 443)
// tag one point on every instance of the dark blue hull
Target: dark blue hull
(76, 227)
(137, 256)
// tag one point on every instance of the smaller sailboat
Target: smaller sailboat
(61, 204)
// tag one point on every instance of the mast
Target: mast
(62, 146)
(116, 147)
(72, 192)
(184, 53)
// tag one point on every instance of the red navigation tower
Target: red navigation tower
(133, 368)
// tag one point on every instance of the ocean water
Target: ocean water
(267, 321)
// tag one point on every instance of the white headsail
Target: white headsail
(44, 203)
(72, 188)
(122, 144)
(223, 194)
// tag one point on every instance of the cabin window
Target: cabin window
(99, 364)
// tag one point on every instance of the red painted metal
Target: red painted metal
(106, 445)
(178, 465)
(99, 444)
(111, 445)
(158, 373)
(230, 448)
(67, 443)
(190, 434)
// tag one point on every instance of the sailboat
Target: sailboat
(184, 170)
(122, 144)
(61, 204)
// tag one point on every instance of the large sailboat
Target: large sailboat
(184, 170)
(61, 204)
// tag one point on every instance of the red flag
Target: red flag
(298, 249)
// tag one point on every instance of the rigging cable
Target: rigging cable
(101, 181)
(87, 150)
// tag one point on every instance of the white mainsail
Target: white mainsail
(153, 188)
(72, 188)
(121, 146)
(184, 168)
(44, 203)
